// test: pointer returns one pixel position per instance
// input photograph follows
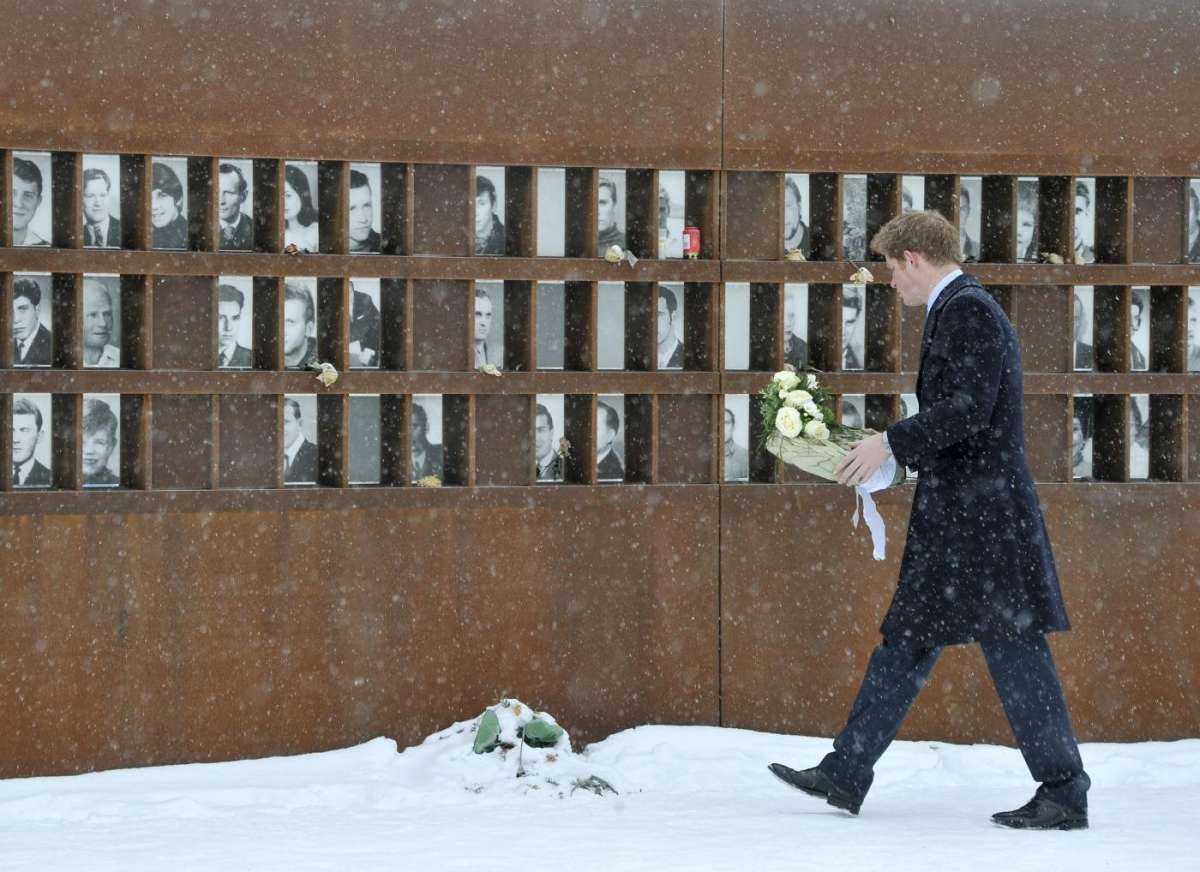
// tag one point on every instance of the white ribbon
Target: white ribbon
(881, 479)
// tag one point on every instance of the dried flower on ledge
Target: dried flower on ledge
(794, 254)
(327, 374)
(429, 481)
(291, 249)
(1051, 257)
(490, 369)
(564, 447)
(614, 254)
(862, 276)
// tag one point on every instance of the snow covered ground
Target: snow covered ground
(694, 798)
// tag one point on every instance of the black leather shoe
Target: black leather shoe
(1041, 813)
(816, 783)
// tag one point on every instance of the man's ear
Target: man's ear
(913, 259)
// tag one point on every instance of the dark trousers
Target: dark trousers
(1025, 678)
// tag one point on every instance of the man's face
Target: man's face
(362, 213)
(97, 317)
(26, 200)
(25, 318)
(1024, 232)
(163, 208)
(543, 436)
(728, 426)
(97, 447)
(1083, 224)
(1078, 319)
(604, 436)
(418, 432)
(483, 318)
(231, 197)
(1135, 317)
(904, 282)
(791, 212)
(291, 425)
(25, 437)
(229, 315)
(95, 201)
(1193, 217)
(850, 311)
(483, 213)
(964, 209)
(1194, 319)
(665, 319)
(295, 327)
(789, 316)
(606, 211)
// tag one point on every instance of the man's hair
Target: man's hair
(855, 300)
(926, 233)
(906, 198)
(232, 168)
(230, 294)
(418, 411)
(481, 293)
(294, 405)
(543, 412)
(359, 180)
(612, 188)
(1081, 190)
(1195, 198)
(295, 292)
(27, 288)
(1139, 301)
(1027, 199)
(25, 406)
(668, 295)
(611, 419)
(97, 416)
(27, 171)
(90, 175)
(163, 178)
(792, 185)
(964, 191)
(102, 285)
(483, 185)
(729, 412)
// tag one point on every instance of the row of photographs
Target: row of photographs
(101, 206)
(100, 447)
(33, 338)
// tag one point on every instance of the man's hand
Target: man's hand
(864, 458)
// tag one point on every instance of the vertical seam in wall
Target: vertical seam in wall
(717, 182)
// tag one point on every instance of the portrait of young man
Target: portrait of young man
(977, 565)
(364, 239)
(32, 342)
(608, 425)
(1085, 221)
(737, 458)
(299, 325)
(168, 220)
(100, 429)
(795, 228)
(29, 189)
(670, 316)
(231, 305)
(795, 326)
(489, 229)
(237, 227)
(427, 456)
(299, 454)
(608, 206)
(101, 229)
(1082, 301)
(968, 218)
(549, 461)
(28, 432)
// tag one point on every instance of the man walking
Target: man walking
(977, 565)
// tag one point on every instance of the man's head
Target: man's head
(26, 429)
(99, 436)
(543, 431)
(96, 189)
(483, 315)
(851, 416)
(299, 314)
(852, 306)
(607, 204)
(666, 313)
(664, 209)
(485, 204)
(1137, 308)
(1194, 317)
(1084, 226)
(27, 192)
(964, 205)
(362, 207)
(27, 301)
(291, 421)
(232, 193)
(919, 247)
(1079, 314)
(97, 315)
(906, 200)
(730, 422)
(166, 195)
(1076, 439)
(229, 315)
(791, 306)
(420, 426)
(792, 207)
(1026, 218)
(607, 425)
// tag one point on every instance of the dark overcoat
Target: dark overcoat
(977, 564)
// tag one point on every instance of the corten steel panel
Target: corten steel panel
(219, 635)
(685, 439)
(1044, 320)
(181, 441)
(572, 82)
(795, 640)
(1158, 220)
(441, 322)
(504, 452)
(184, 330)
(1012, 87)
(249, 441)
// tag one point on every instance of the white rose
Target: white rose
(793, 399)
(788, 422)
(812, 410)
(810, 381)
(804, 397)
(786, 379)
(816, 430)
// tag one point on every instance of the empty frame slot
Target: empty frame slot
(1043, 327)
(885, 199)
(643, 206)
(997, 218)
(267, 319)
(699, 327)
(333, 303)
(1111, 321)
(610, 325)
(639, 427)
(441, 210)
(685, 438)
(1168, 329)
(1159, 209)
(518, 325)
(1056, 213)
(440, 326)
(394, 334)
(881, 328)
(520, 213)
(364, 439)
(765, 333)
(201, 210)
(753, 215)
(503, 448)
(395, 187)
(332, 198)
(1111, 437)
(66, 206)
(582, 205)
(1168, 441)
(1046, 420)
(458, 432)
(184, 332)
(135, 200)
(182, 441)
(579, 326)
(249, 441)
(825, 327)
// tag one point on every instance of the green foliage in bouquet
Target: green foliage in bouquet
(806, 406)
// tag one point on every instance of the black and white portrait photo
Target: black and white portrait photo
(548, 431)
(669, 335)
(1027, 220)
(970, 208)
(31, 440)
(99, 453)
(489, 210)
(300, 439)
(551, 211)
(737, 437)
(31, 198)
(33, 344)
(102, 321)
(909, 405)
(610, 325)
(427, 437)
(1193, 335)
(912, 194)
(235, 204)
(610, 437)
(299, 322)
(101, 201)
(1193, 221)
(1139, 329)
(1085, 220)
(489, 324)
(854, 410)
(1082, 307)
(854, 340)
(235, 322)
(364, 214)
(795, 214)
(795, 325)
(672, 191)
(364, 439)
(737, 325)
(854, 217)
(1139, 436)
(1082, 426)
(366, 326)
(610, 210)
(550, 325)
(301, 226)
(168, 203)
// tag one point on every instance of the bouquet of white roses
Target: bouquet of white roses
(799, 426)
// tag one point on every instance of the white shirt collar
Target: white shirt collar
(294, 448)
(102, 231)
(23, 470)
(941, 286)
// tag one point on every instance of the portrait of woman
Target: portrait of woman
(299, 213)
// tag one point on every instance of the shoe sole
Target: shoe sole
(836, 801)
(1061, 825)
